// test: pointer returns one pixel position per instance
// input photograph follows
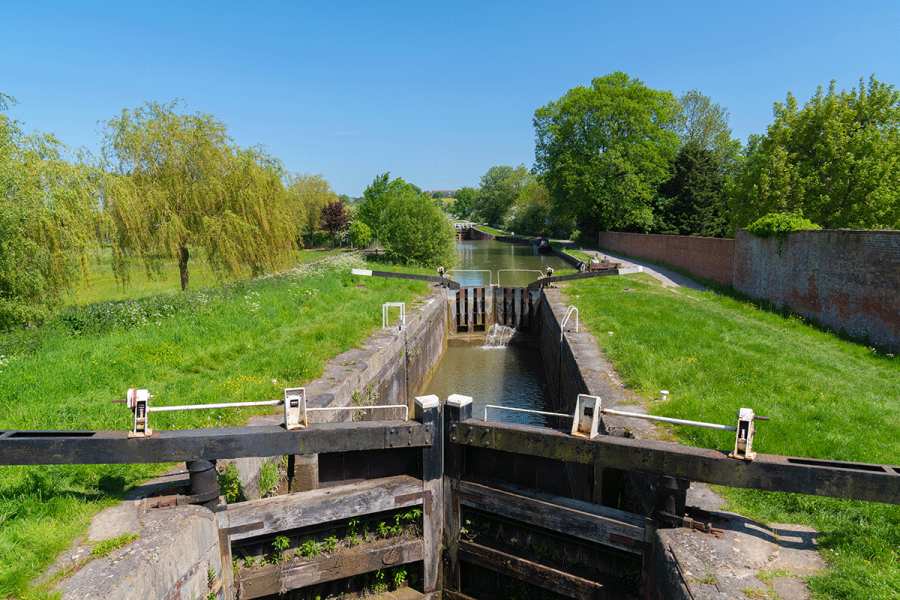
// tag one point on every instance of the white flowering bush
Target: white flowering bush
(101, 317)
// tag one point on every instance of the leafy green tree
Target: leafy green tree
(415, 232)
(500, 188)
(48, 221)
(376, 197)
(464, 202)
(360, 234)
(183, 184)
(701, 121)
(695, 194)
(601, 151)
(834, 161)
(308, 195)
(531, 214)
(437, 195)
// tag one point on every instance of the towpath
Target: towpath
(668, 277)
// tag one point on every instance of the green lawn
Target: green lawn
(826, 398)
(102, 284)
(241, 342)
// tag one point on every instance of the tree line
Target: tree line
(620, 156)
(173, 186)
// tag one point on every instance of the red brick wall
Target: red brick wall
(712, 258)
(848, 280)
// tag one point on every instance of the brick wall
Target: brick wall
(848, 280)
(712, 258)
(477, 234)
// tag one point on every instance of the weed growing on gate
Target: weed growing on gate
(196, 348)
(828, 398)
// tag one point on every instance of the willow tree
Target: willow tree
(183, 185)
(48, 221)
(308, 196)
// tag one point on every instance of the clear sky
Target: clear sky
(434, 92)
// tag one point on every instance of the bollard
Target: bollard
(205, 489)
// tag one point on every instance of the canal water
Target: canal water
(510, 264)
(511, 376)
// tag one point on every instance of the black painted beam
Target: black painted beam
(453, 285)
(115, 447)
(836, 479)
(536, 285)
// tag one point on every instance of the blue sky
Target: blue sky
(434, 92)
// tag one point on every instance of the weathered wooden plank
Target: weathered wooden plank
(277, 579)
(115, 447)
(457, 408)
(836, 479)
(530, 572)
(583, 520)
(293, 511)
(479, 306)
(428, 412)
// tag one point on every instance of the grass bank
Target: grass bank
(102, 285)
(490, 230)
(827, 398)
(241, 342)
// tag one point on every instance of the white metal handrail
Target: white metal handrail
(622, 413)
(565, 320)
(488, 271)
(211, 406)
(540, 273)
(523, 410)
(385, 309)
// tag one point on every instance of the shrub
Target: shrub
(779, 225)
(416, 233)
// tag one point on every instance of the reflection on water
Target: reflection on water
(507, 376)
(498, 256)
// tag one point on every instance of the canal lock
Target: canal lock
(614, 572)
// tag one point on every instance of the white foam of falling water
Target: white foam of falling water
(498, 336)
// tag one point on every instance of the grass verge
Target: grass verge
(827, 398)
(576, 254)
(490, 230)
(241, 342)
